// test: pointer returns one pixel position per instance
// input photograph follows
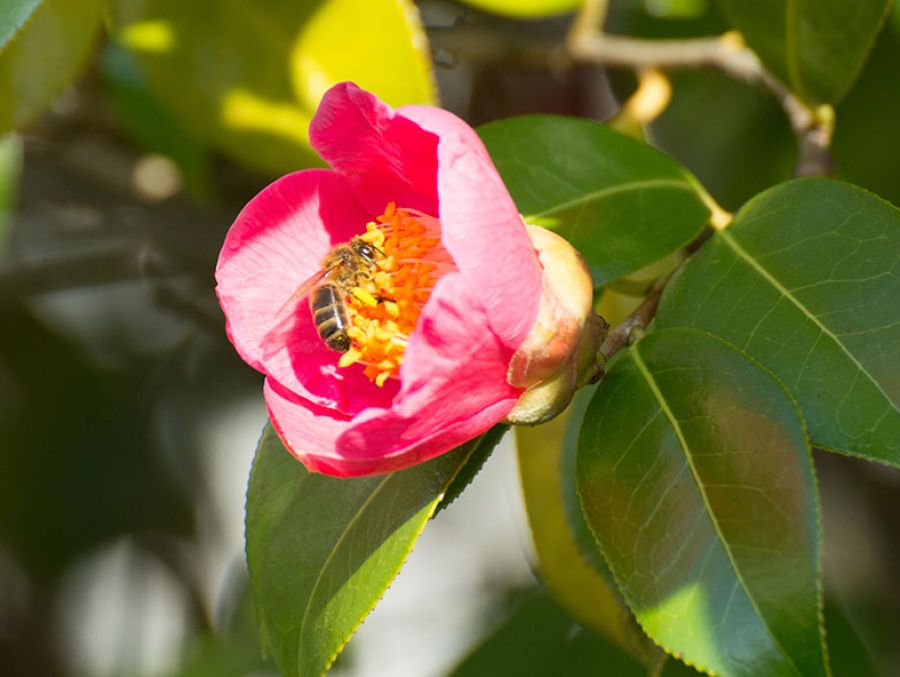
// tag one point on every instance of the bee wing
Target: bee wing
(281, 324)
(301, 292)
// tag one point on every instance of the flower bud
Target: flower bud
(557, 356)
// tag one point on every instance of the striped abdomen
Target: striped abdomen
(330, 316)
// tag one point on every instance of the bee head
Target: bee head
(366, 250)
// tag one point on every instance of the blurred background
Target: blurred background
(128, 423)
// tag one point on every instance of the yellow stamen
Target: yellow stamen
(350, 357)
(385, 306)
(364, 296)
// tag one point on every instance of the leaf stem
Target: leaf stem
(813, 127)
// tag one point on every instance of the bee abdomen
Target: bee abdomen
(330, 317)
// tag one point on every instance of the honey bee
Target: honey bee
(343, 269)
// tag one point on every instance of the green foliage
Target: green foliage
(258, 69)
(732, 136)
(96, 418)
(580, 583)
(815, 47)
(866, 145)
(43, 46)
(805, 281)
(687, 450)
(478, 452)
(14, 14)
(10, 166)
(673, 507)
(149, 122)
(621, 203)
(847, 651)
(322, 550)
(539, 639)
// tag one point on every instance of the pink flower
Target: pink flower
(448, 294)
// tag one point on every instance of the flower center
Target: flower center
(384, 307)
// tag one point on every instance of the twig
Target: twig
(813, 127)
(486, 45)
(631, 328)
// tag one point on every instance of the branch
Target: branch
(632, 327)
(813, 127)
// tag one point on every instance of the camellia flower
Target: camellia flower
(426, 308)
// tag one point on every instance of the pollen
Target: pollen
(386, 304)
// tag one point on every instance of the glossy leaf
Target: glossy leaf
(621, 203)
(539, 639)
(246, 77)
(815, 47)
(481, 450)
(43, 46)
(322, 550)
(806, 281)
(696, 479)
(526, 9)
(578, 526)
(563, 565)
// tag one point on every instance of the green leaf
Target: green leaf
(806, 281)
(865, 149)
(149, 123)
(322, 550)
(526, 9)
(749, 149)
(233, 649)
(621, 203)
(563, 562)
(479, 451)
(696, 478)
(14, 14)
(539, 639)
(43, 46)
(815, 47)
(10, 167)
(246, 77)
(848, 653)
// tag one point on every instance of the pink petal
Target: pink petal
(276, 243)
(453, 386)
(307, 430)
(454, 389)
(385, 157)
(481, 227)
